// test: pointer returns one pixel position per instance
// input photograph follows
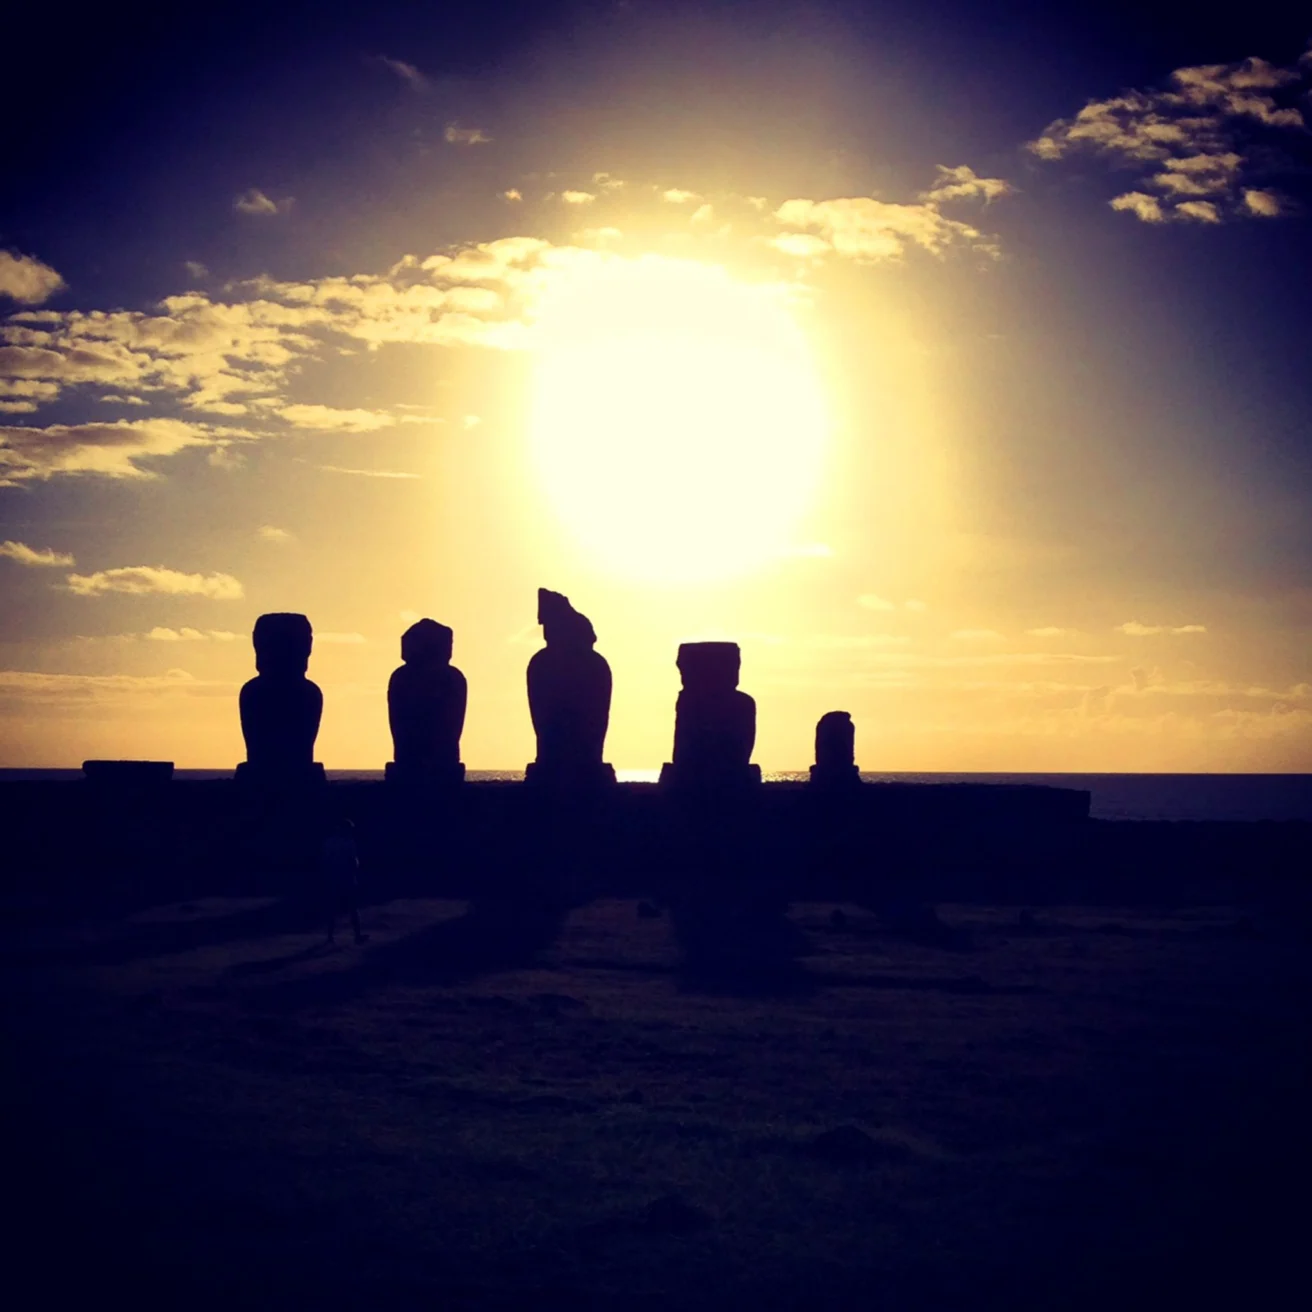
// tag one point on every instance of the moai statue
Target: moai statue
(426, 700)
(569, 686)
(714, 723)
(280, 707)
(835, 751)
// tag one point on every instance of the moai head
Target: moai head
(562, 625)
(282, 644)
(709, 666)
(426, 642)
(835, 740)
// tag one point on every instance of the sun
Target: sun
(677, 419)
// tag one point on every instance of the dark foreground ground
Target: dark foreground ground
(1090, 1107)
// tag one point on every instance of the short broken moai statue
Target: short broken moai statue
(280, 707)
(835, 752)
(714, 722)
(426, 699)
(569, 688)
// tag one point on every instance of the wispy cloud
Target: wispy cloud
(455, 135)
(268, 533)
(25, 279)
(112, 450)
(577, 197)
(329, 417)
(366, 473)
(256, 202)
(408, 73)
(35, 685)
(184, 634)
(138, 579)
(870, 231)
(1136, 630)
(1197, 144)
(34, 556)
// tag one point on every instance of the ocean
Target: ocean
(1234, 797)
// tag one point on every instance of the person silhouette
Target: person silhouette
(426, 700)
(339, 866)
(280, 708)
(569, 690)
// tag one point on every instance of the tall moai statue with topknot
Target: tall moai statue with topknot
(426, 699)
(569, 688)
(714, 722)
(280, 707)
(835, 752)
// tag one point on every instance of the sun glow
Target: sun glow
(677, 419)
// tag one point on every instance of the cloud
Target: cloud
(111, 450)
(1137, 630)
(327, 417)
(512, 193)
(577, 197)
(963, 183)
(195, 269)
(408, 73)
(78, 689)
(216, 355)
(1147, 207)
(976, 635)
(1264, 204)
(267, 533)
(678, 196)
(801, 245)
(138, 579)
(1204, 211)
(869, 231)
(1193, 144)
(34, 556)
(25, 279)
(458, 136)
(366, 473)
(255, 201)
(159, 634)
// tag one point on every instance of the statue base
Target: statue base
(127, 774)
(570, 778)
(281, 778)
(835, 776)
(735, 780)
(427, 777)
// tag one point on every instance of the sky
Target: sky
(951, 359)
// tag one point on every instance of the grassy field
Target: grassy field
(1082, 1108)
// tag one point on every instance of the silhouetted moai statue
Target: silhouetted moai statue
(569, 687)
(835, 751)
(426, 700)
(280, 707)
(714, 723)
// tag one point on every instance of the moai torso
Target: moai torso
(280, 707)
(569, 689)
(426, 699)
(835, 750)
(714, 722)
